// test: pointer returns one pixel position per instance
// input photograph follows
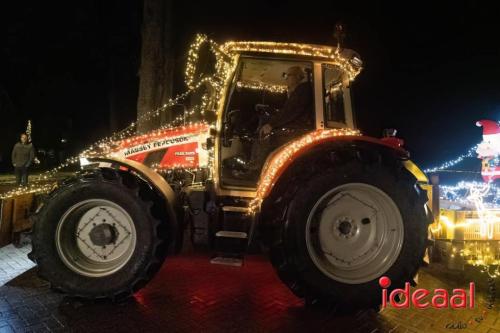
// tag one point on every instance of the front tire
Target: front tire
(100, 236)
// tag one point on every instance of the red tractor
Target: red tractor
(335, 210)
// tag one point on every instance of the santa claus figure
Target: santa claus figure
(489, 150)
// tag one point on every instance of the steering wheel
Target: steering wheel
(263, 109)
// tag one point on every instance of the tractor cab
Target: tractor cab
(257, 94)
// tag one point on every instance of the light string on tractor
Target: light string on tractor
(333, 54)
(102, 147)
(285, 156)
(226, 56)
(272, 88)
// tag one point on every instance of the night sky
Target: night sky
(429, 71)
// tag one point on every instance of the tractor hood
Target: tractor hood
(178, 147)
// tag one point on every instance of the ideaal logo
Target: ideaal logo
(440, 297)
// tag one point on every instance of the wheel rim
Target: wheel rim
(354, 233)
(95, 237)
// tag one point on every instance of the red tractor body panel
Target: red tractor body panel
(179, 147)
(285, 156)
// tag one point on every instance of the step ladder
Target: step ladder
(232, 241)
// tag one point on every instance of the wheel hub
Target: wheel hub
(345, 227)
(103, 234)
(354, 233)
(95, 237)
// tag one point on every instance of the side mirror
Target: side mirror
(389, 132)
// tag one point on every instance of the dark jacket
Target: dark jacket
(23, 154)
(297, 113)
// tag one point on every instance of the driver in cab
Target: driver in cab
(292, 120)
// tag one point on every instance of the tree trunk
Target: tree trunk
(123, 56)
(156, 69)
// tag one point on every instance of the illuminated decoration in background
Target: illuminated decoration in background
(446, 165)
(272, 88)
(485, 255)
(460, 193)
(351, 66)
(479, 222)
(486, 217)
(480, 199)
(28, 130)
(489, 150)
(490, 146)
(472, 194)
(284, 156)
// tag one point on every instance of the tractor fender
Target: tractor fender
(307, 147)
(155, 180)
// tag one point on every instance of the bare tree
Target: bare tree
(157, 62)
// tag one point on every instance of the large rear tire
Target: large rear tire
(345, 227)
(99, 235)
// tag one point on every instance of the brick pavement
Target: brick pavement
(191, 295)
(13, 262)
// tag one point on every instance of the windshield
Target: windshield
(271, 102)
(263, 82)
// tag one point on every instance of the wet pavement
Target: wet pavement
(191, 295)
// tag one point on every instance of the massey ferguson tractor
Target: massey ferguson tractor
(335, 210)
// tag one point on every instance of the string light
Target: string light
(225, 65)
(351, 66)
(481, 224)
(285, 156)
(459, 193)
(484, 255)
(272, 88)
(473, 194)
(446, 165)
(225, 62)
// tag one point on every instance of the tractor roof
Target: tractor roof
(348, 59)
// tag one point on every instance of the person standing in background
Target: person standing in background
(23, 155)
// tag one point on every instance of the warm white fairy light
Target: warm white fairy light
(225, 64)
(273, 88)
(226, 56)
(351, 66)
(285, 156)
(484, 253)
(473, 194)
(28, 130)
